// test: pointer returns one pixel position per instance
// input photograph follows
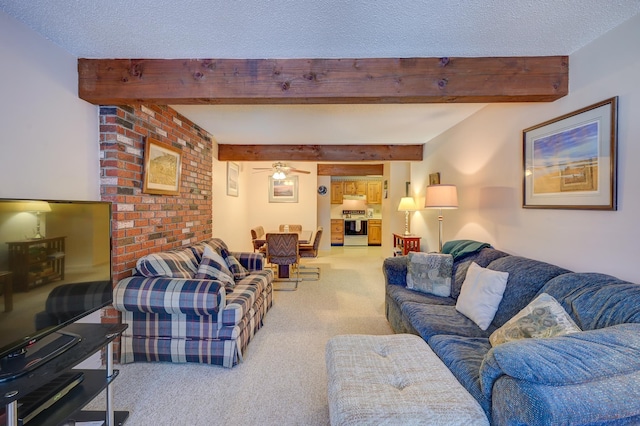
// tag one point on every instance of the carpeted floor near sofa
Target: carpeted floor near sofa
(282, 380)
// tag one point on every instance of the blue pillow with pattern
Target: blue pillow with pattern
(236, 268)
(215, 268)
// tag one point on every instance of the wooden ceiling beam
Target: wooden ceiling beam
(323, 81)
(350, 169)
(319, 153)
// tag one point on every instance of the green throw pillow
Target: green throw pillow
(430, 273)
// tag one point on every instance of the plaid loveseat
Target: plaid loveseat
(174, 317)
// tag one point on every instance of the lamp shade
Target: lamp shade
(441, 197)
(407, 204)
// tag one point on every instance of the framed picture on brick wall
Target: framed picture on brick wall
(162, 167)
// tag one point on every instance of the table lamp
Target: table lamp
(407, 204)
(38, 207)
(441, 197)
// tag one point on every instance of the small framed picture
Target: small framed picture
(434, 178)
(162, 168)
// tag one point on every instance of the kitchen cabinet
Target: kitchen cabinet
(337, 232)
(336, 192)
(374, 192)
(349, 187)
(375, 232)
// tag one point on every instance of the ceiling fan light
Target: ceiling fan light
(279, 174)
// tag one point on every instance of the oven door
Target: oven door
(355, 227)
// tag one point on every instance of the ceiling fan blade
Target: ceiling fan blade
(299, 171)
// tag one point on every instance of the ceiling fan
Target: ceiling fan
(280, 170)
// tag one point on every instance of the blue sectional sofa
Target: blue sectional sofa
(588, 377)
(175, 314)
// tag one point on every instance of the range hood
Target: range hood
(354, 197)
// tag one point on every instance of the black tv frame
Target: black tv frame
(32, 351)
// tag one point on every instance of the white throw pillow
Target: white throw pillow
(481, 294)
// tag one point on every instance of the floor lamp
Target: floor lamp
(407, 204)
(441, 197)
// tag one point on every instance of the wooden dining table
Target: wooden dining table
(304, 237)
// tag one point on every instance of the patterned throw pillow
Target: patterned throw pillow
(215, 268)
(179, 263)
(543, 317)
(430, 273)
(238, 271)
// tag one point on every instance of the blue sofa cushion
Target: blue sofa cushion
(526, 278)
(565, 360)
(430, 320)
(482, 258)
(463, 356)
(596, 300)
(402, 295)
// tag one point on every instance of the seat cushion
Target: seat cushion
(402, 294)
(430, 320)
(463, 356)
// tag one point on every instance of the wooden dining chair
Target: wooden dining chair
(292, 228)
(282, 251)
(310, 251)
(258, 239)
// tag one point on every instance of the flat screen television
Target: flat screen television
(55, 268)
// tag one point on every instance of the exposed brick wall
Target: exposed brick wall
(146, 223)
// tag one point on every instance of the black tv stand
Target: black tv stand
(93, 337)
(34, 355)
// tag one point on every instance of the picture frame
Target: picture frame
(283, 190)
(434, 178)
(570, 162)
(162, 168)
(233, 179)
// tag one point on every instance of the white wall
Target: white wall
(483, 156)
(49, 137)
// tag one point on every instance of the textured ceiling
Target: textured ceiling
(321, 29)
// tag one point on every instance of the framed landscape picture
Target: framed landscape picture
(283, 190)
(162, 167)
(570, 162)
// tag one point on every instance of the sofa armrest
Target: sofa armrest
(169, 296)
(251, 261)
(557, 378)
(609, 401)
(395, 270)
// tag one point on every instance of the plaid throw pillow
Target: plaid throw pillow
(238, 271)
(212, 268)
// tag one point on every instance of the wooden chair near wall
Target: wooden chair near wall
(310, 251)
(258, 239)
(292, 228)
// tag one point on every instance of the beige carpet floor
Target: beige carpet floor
(282, 380)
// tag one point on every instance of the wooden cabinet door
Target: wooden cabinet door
(361, 187)
(375, 232)
(337, 232)
(336, 192)
(349, 188)
(374, 192)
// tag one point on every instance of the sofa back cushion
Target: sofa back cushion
(526, 278)
(482, 258)
(178, 263)
(216, 244)
(596, 300)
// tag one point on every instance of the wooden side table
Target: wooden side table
(7, 290)
(406, 243)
